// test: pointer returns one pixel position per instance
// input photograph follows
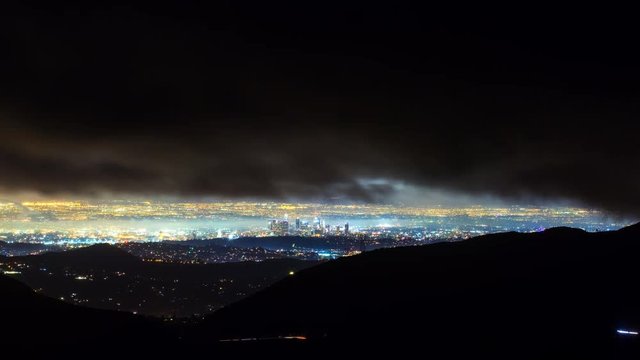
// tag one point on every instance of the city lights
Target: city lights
(88, 222)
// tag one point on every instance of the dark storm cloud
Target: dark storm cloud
(311, 102)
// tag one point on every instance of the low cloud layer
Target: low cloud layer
(310, 103)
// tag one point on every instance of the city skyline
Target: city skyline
(121, 221)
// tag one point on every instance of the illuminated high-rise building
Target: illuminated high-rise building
(346, 228)
(281, 228)
(297, 224)
(304, 225)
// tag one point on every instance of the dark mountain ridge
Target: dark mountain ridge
(512, 295)
(28, 317)
(107, 277)
(109, 256)
(559, 291)
(291, 242)
(94, 255)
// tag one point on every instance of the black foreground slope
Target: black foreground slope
(119, 280)
(562, 291)
(30, 318)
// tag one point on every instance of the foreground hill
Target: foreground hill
(98, 256)
(107, 277)
(28, 317)
(562, 291)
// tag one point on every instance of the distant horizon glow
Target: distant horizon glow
(397, 193)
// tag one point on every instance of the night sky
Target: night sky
(319, 101)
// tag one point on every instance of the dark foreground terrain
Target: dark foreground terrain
(106, 277)
(562, 292)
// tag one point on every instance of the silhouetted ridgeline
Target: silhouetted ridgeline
(100, 255)
(292, 242)
(562, 292)
(107, 277)
(559, 291)
(30, 318)
(24, 248)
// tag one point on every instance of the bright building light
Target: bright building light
(627, 332)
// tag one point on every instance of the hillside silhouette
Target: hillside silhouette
(561, 291)
(99, 255)
(19, 248)
(28, 317)
(292, 242)
(107, 277)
